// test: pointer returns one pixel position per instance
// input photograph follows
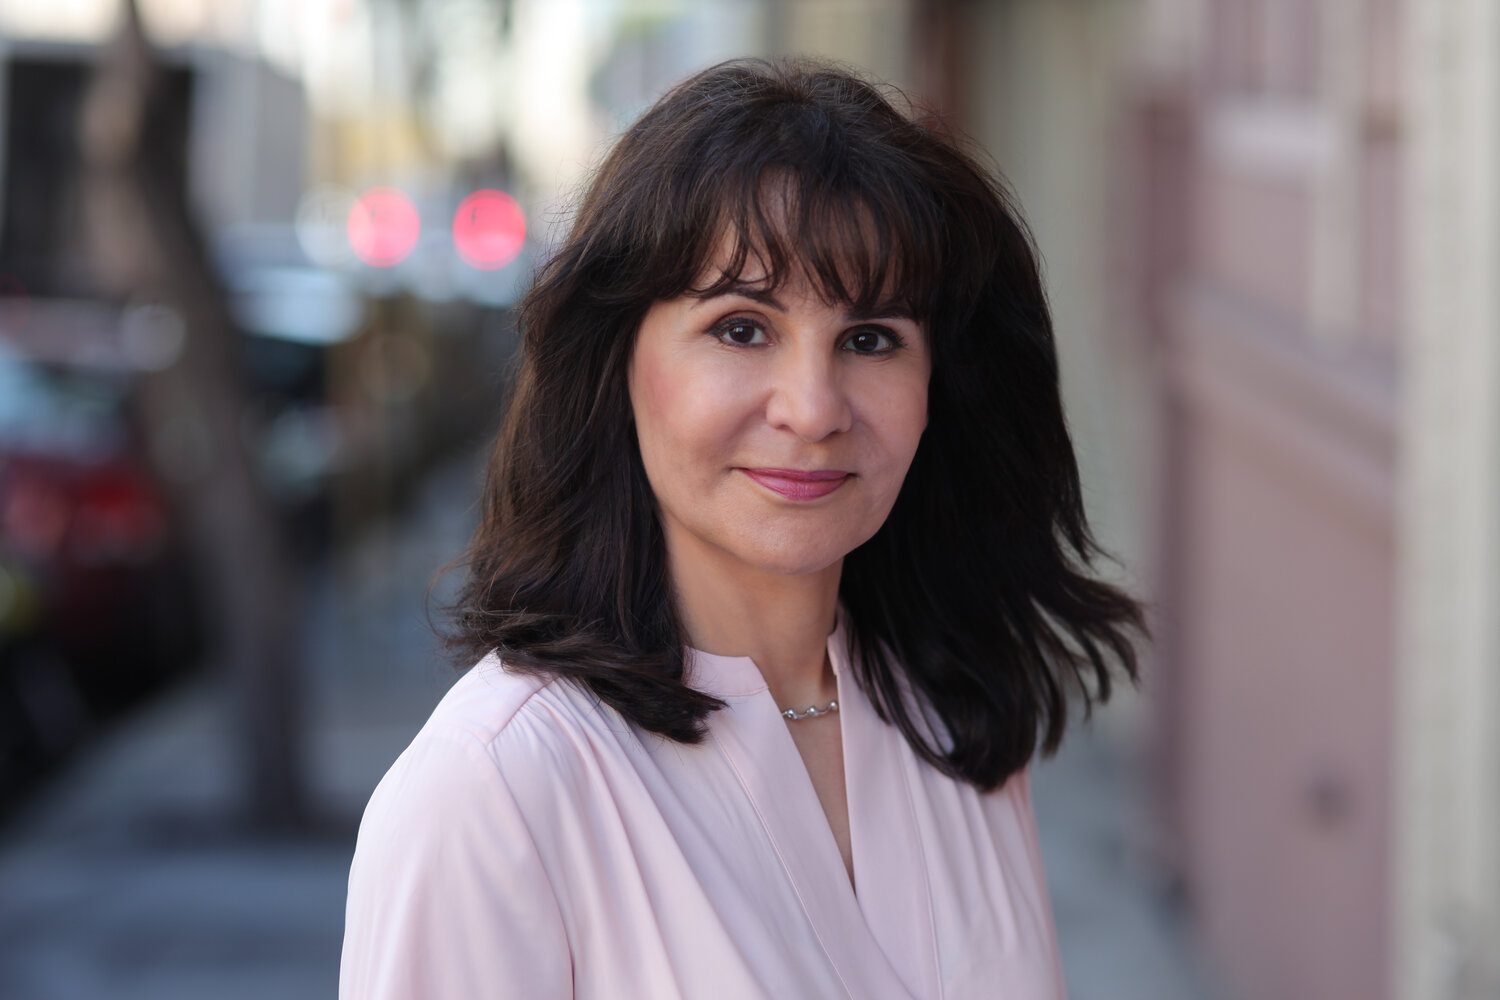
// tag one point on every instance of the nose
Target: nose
(808, 396)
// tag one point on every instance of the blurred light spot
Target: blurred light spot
(304, 305)
(322, 225)
(152, 336)
(489, 229)
(383, 227)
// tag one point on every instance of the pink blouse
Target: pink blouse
(531, 843)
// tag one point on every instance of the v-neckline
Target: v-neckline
(891, 914)
(816, 737)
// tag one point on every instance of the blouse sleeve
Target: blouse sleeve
(448, 899)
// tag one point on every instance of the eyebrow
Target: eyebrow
(885, 310)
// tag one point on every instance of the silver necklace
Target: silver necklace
(810, 712)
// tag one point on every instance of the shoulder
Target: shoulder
(495, 738)
(483, 702)
(448, 891)
(478, 785)
(516, 717)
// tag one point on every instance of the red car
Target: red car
(97, 603)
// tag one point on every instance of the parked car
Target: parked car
(97, 602)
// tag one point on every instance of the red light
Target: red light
(488, 229)
(383, 227)
(117, 519)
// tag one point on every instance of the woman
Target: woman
(776, 590)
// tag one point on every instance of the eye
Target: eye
(871, 334)
(736, 328)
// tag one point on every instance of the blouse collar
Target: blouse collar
(738, 676)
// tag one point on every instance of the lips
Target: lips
(796, 484)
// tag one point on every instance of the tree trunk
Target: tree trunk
(146, 246)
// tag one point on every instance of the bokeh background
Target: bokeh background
(257, 264)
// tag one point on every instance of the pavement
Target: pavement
(127, 879)
(1124, 930)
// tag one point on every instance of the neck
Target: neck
(781, 621)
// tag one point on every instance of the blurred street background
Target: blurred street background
(257, 265)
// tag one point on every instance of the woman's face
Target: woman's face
(726, 388)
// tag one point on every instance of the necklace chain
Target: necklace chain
(811, 711)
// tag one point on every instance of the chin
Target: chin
(792, 558)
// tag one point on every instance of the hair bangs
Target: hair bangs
(870, 245)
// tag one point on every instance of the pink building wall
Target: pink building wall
(1276, 570)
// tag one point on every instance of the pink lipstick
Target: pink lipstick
(797, 484)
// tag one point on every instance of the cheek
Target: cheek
(897, 409)
(683, 413)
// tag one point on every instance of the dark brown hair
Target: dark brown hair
(973, 590)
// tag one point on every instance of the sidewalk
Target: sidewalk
(1121, 936)
(123, 881)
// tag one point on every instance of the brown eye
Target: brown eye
(869, 337)
(737, 332)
